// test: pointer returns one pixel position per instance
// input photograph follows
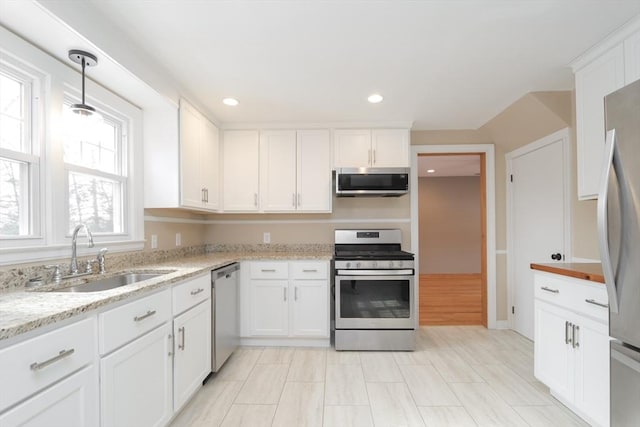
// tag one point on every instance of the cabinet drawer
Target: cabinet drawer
(129, 321)
(573, 294)
(32, 365)
(190, 293)
(309, 270)
(269, 270)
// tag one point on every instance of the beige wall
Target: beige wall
(450, 225)
(192, 234)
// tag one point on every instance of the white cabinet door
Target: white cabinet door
(72, 402)
(278, 171)
(390, 148)
(269, 308)
(553, 358)
(136, 382)
(192, 359)
(352, 148)
(592, 370)
(190, 137)
(210, 165)
(240, 170)
(593, 82)
(314, 192)
(310, 308)
(632, 58)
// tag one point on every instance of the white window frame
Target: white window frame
(33, 82)
(60, 79)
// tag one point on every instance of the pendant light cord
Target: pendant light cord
(83, 65)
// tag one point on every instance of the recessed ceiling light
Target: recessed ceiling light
(431, 170)
(375, 98)
(232, 102)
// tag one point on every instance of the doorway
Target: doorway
(489, 218)
(538, 219)
(451, 197)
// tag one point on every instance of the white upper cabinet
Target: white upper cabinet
(606, 68)
(278, 170)
(371, 148)
(240, 170)
(181, 159)
(198, 159)
(313, 179)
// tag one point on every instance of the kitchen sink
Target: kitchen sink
(111, 282)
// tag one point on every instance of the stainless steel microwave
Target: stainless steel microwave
(384, 182)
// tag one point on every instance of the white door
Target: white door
(314, 171)
(136, 382)
(310, 311)
(538, 218)
(192, 363)
(240, 175)
(278, 170)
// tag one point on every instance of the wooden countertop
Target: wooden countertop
(579, 270)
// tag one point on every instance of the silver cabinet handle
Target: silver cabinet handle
(575, 334)
(295, 293)
(181, 345)
(268, 270)
(594, 302)
(566, 332)
(311, 270)
(369, 156)
(555, 291)
(202, 194)
(36, 366)
(197, 291)
(298, 203)
(149, 313)
(170, 344)
(285, 293)
(374, 157)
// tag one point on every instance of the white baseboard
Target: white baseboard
(501, 324)
(286, 342)
(587, 260)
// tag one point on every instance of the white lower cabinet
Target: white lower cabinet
(571, 349)
(285, 299)
(136, 382)
(192, 358)
(72, 402)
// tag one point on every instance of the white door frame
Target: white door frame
(490, 186)
(509, 157)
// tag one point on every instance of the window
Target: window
(96, 181)
(19, 162)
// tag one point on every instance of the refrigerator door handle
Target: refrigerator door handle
(603, 232)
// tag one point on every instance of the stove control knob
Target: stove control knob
(348, 265)
(390, 264)
(374, 264)
(400, 263)
(358, 264)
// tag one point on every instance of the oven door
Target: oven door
(370, 300)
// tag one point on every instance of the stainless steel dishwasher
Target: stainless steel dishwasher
(224, 319)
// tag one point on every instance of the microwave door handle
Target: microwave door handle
(603, 231)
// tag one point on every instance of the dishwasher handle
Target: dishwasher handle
(225, 271)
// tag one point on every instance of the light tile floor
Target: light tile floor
(458, 376)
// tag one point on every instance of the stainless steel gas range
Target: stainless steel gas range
(374, 290)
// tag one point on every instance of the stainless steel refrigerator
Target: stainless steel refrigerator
(619, 237)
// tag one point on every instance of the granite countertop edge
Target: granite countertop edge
(27, 310)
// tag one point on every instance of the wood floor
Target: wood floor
(451, 299)
(459, 376)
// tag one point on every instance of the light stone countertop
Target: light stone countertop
(26, 310)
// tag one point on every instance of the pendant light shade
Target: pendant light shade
(85, 59)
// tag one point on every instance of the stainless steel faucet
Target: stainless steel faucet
(74, 261)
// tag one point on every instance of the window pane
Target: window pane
(91, 143)
(14, 209)
(96, 202)
(11, 113)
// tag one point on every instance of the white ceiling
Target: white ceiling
(449, 165)
(440, 64)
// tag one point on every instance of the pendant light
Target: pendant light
(85, 59)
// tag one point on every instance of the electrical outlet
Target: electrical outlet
(154, 241)
(266, 238)
(178, 239)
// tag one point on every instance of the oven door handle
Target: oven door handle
(403, 272)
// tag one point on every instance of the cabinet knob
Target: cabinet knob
(556, 257)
